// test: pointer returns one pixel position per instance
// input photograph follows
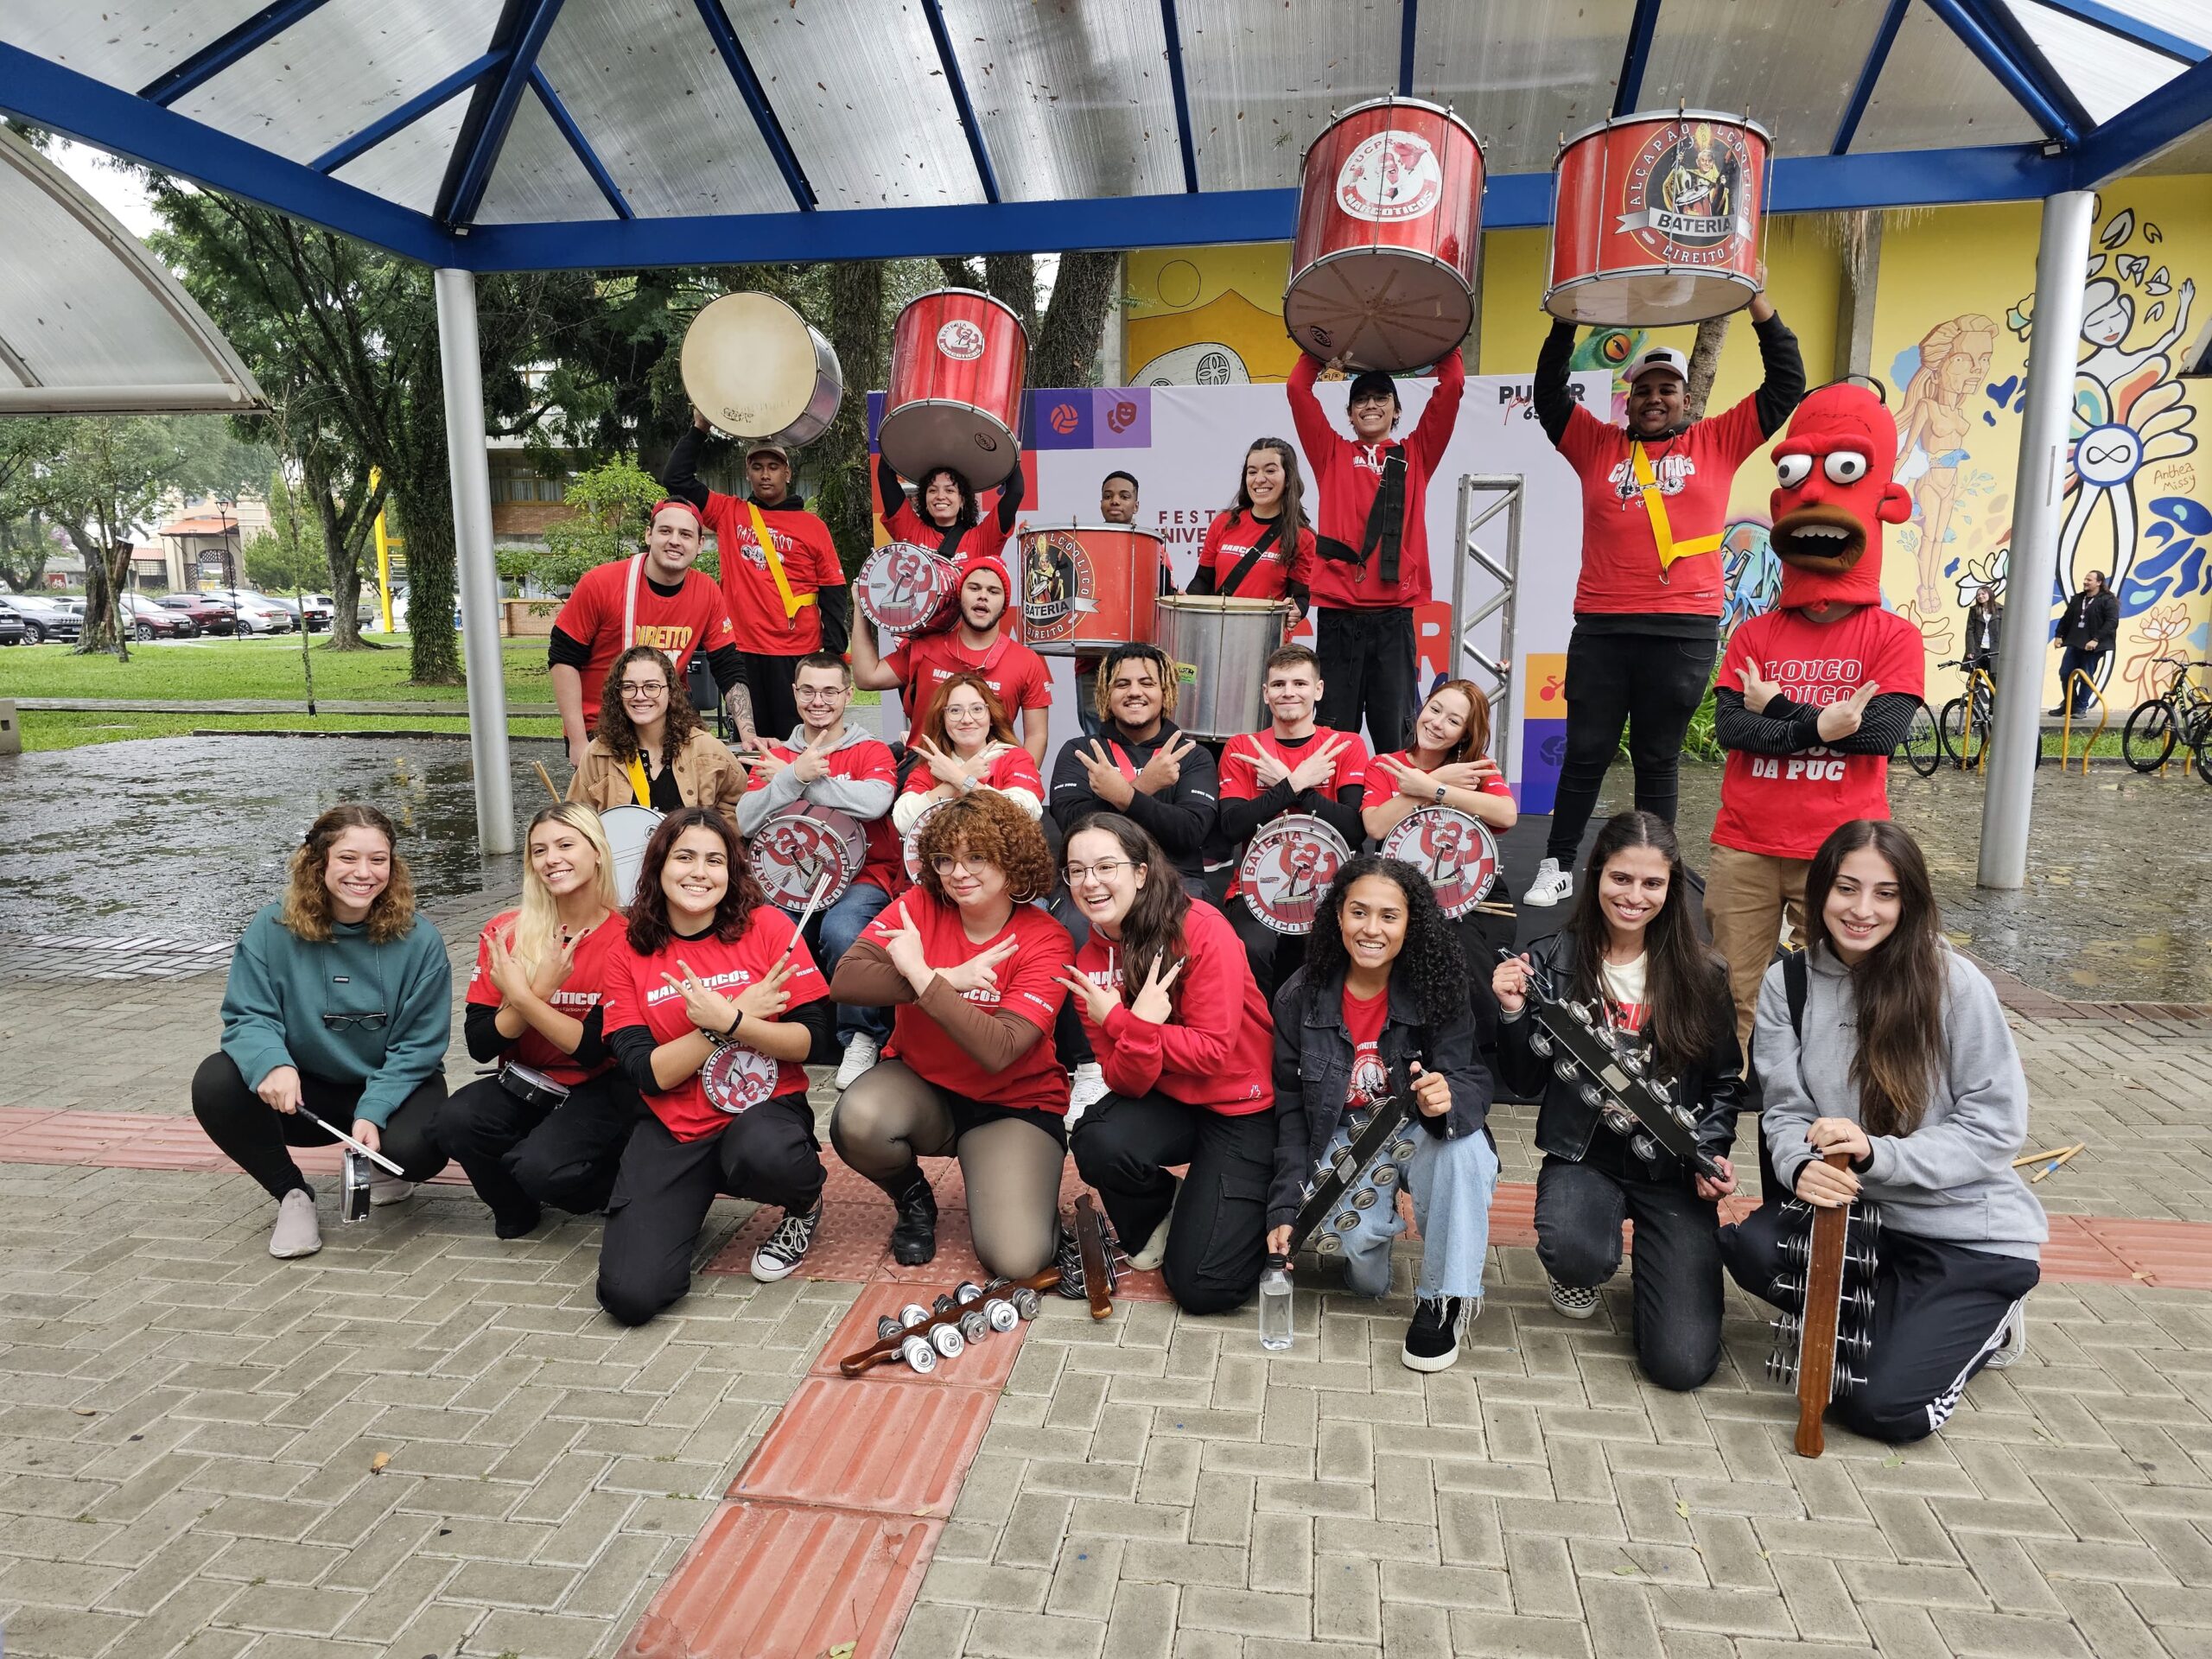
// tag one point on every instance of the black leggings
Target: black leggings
(1647, 683)
(1217, 1248)
(1676, 1273)
(1275, 956)
(1940, 1311)
(256, 1137)
(662, 1192)
(519, 1156)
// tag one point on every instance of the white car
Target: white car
(258, 613)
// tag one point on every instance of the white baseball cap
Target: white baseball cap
(1660, 359)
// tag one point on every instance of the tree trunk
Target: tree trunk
(1704, 363)
(426, 517)
(106, 570)
(839, 459)
(1066, 346)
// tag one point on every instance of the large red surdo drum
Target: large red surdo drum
(1389, 225)
(958, 362)
(1089, 587)
(1656, 219)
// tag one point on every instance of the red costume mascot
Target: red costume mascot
(1814, 695)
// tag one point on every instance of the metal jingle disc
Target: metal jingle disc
(1540, 1040)
(974, 1327)
(947, 1340)
(1326, 1243)
(1003, 1315)
(919, 1354)
(887, 1327)
(1402, 1148)
(913, 1315)
(967, 1291)
(1384, 1175)
(1365, 1199)
(1026, 1302)
(1592, 1096)
(1348, 1221)
(1644, 1147)
(1566, 1070)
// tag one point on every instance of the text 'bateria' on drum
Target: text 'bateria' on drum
(1454, 849)
(1089, 587)
(906, 589)
(796, 846)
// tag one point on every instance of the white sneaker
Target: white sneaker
(1154, 1252)
(297, 1232)
(385, 1188)
(1086, 1087)
(2014, 1347)
(1552, 883)
(859, 1054)
(1574, 1302)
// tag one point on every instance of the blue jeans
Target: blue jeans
(1453, 1183)
(840, 925)
(2073, 658)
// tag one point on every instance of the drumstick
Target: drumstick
(804, 917)
(546, 778)
(366, 1151)
(2056, 1162)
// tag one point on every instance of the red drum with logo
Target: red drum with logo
(1088, 587)
(1389, 226)
(735, 1077)
(958, 363)
(1288, 867)
(1453, 848)
(796, 846)
(912, 850)
(1656, 219)
(906, 589)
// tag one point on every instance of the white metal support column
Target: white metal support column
(2017, 725)
(461, 354)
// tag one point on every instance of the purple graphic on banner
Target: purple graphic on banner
(1060, 420)
(1121, 417)
(1543, 746)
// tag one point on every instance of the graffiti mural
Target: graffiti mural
(1942, 376)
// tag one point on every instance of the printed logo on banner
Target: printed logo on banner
(1684, 195)
(961, 339)
(1121, 417)
(1391, 177)
(1063, 419)
(1059, 586)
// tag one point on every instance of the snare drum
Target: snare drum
(757, 369)
(628, 828)
(1288, 867)
(958, 362)
(906, 589)
(1454, 849)
(1088, 588)
(1220, 647)
(798, 847)
(1656, 219)
(913, 850)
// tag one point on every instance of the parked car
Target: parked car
(209, 615)
(150, 621)
(258, 613)
(48, 618)
(319, 608)
(13, 629)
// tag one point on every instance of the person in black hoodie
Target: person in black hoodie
(1631, 951)
(1141, 765)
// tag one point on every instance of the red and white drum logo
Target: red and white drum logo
(736, 1077)
(1059, 586)
(1286, 868)
(1453, 848)
(961, 339)
(1683, 199)
(1390, 177)
(797, 848)
(904, 587)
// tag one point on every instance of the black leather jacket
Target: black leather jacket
(1714, 1090)
(1312, 1066)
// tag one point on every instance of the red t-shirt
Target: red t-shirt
(1785, 805)
(1216, 1049)
(869, 762)
(1365, 1018)
(1011, 767)
(1232, 534)
(1381, 786)
(1027, 986)
(1016, 674)
(1240, 780)
(577, 996)
(756, 609)
(638, 996)
(1694, 472)
(904, 524)
(615, 606)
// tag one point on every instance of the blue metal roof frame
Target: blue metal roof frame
(2076, 151)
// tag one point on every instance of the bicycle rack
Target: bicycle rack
(2066, 729)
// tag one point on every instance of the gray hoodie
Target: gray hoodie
(864, 799)
(1952, 1178)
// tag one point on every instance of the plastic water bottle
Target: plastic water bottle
(1274, 1304)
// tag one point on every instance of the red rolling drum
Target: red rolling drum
(959, 360)
(1389, 226)
(1656, 219)
(1086, 587)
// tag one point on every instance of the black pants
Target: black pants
(1275, 956)
(662, 1190)
(1939, 1312)
(255, 1135)
(519, 1156)
(1675, 1274)
(1647, 683)
(1367, 672)
(1217, 1248)
(775, 706)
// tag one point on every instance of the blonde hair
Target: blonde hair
(306, 913)
(1935, 350)
(537, 922)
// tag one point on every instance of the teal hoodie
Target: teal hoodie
(281, 986)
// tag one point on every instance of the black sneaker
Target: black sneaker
(783, 1250)
(1433, 1339)
(913, 1235)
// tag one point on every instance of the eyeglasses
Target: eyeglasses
(808, 694)
(635, 688)
(946, 865)
(1105, 870)
(347, 1022)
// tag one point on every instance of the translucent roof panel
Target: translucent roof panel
(1262, 76)
(1934, 94)
(1073, 100)
(862, 97)
(89, 322)
(2106, 72)
(1791, 67)
(409, 166)
(644, 82)
(1521, 75)
(540, 177)
(124, 46)
(2191, 20)
(337, 69)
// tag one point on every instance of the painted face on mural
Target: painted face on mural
(1835, 467)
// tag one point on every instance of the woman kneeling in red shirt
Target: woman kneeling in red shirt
(972, 969)
(1178, 1022)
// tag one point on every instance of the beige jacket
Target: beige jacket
(707, 774)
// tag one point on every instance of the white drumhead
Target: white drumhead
(628, 828)
(1657, 296)
(1378, 308)
(750, 364)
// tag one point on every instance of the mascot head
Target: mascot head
(1835, 465)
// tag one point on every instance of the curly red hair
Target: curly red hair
(988, 826)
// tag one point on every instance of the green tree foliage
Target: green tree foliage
(289, 555)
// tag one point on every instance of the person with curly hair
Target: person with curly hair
(945, 514)
(1632, 952)
(649, 748)
(713, 1013)
(339, 1001)
(970, 967)
(965, 742)
(1142, 765)
(1380, 1009)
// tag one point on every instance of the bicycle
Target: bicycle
(1964, 724)
(2181, 714)
(1922, 747)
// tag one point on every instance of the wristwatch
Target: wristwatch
(1439, 794)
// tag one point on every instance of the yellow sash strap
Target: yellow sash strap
(1655, 506)
(640, 790)
(793, 602)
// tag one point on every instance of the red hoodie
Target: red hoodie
(1347, 473)
(1216, 1049)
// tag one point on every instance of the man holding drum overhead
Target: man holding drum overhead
(781, 572)
(979, 642)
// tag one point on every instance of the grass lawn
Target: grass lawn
(72, 730)
(209, 670)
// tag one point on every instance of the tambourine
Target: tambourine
(1286, 868)
(735, 1077)
(796, 846)
(1454, 849)
(913, 850)
(905, 589)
